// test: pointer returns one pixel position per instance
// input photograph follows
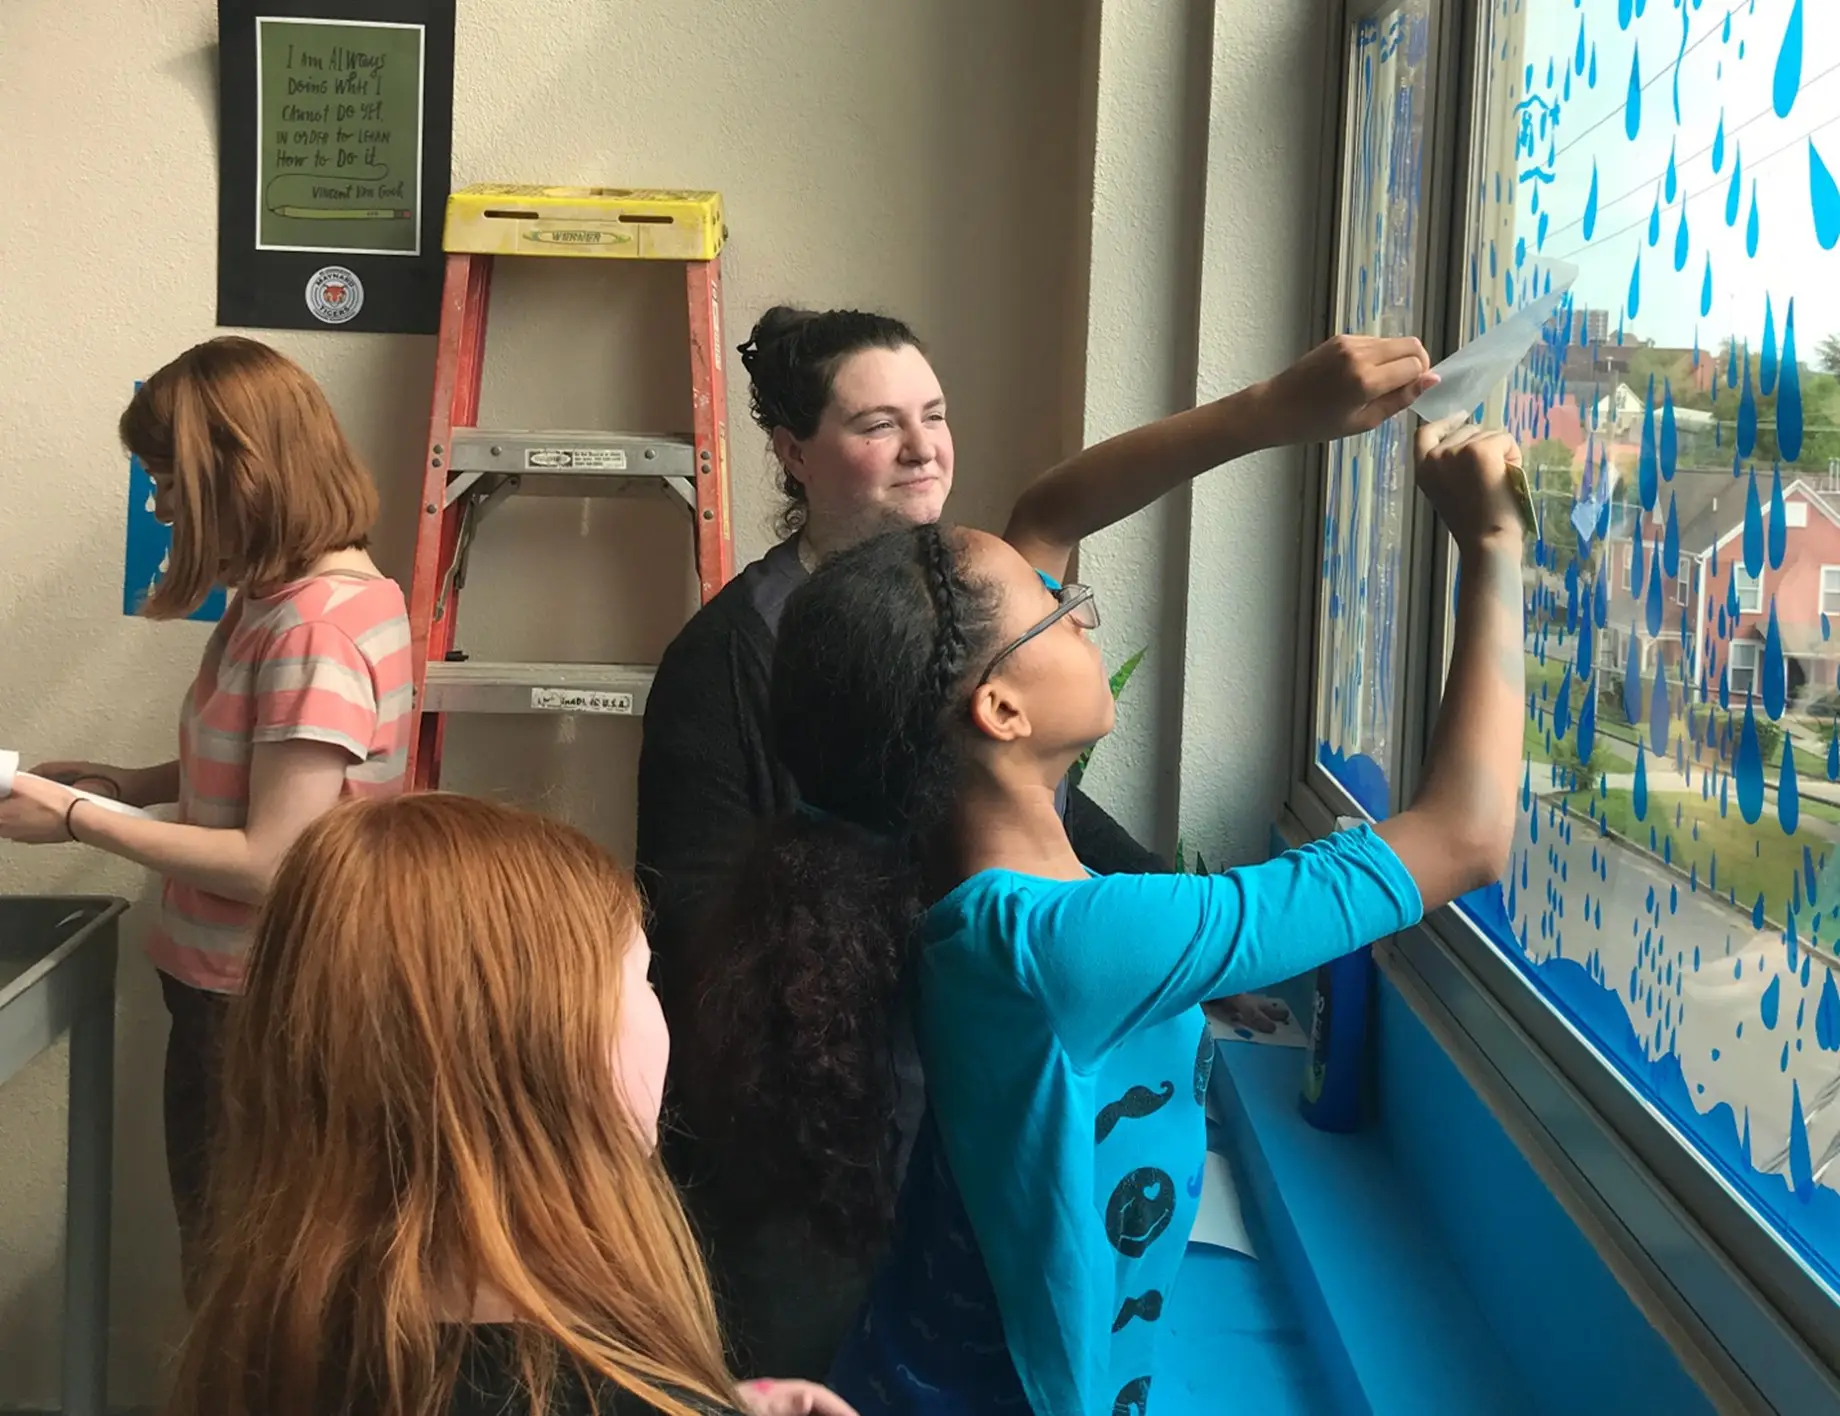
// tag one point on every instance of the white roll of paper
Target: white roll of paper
(10, 773)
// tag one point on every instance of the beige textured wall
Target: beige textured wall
(917, 157)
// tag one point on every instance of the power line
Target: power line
(1660, 74)
(1641, 221)
(1647, 182)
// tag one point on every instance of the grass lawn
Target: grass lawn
(1752, 860)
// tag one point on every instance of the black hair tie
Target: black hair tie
(749, 352)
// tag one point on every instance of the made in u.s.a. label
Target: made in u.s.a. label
(580, 700)
(580, 459)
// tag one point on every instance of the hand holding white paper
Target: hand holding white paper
(10, 773)
(1476, 370)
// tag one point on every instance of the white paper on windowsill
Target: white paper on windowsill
(1219, 1222)
(1285, 1034)
(1469, 376)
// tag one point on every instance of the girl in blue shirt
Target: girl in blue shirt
(930, 690)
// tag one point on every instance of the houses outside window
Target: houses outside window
(1671, 897)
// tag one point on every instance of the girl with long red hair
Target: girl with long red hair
(435, 1190)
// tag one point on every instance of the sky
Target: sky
(1728, 76)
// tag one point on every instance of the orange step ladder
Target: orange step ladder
(470, 470)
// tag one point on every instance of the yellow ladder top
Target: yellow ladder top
(620, 223)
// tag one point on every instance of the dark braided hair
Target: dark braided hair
(787, 1080)
(792, 358)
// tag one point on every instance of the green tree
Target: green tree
(1820, 413)
(1828, 354)
(1672, 369)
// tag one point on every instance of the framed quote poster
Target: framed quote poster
(337, 129)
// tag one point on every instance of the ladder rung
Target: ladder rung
(572, 454)
(484, 686)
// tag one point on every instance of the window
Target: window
(1368, 488)
(1674, 893)
(1741, 667)
(1750, 591)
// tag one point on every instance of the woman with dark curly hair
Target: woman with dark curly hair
(930, 690)
(858, 425)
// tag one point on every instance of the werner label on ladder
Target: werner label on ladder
(471, 470)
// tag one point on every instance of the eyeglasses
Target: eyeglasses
(1077, 602)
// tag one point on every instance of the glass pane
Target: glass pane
(1369, 478)
(1675, 887)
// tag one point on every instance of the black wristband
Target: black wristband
(70, 832)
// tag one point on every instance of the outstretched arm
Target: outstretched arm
(1457, 833)
(1348, 385)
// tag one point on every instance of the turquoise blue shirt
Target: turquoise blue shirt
(1051, 1194)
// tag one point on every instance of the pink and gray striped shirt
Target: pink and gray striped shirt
(324, 659)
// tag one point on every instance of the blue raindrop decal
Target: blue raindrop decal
(1778, 540)
(1648, 463)
(1681, 248)
(1669, 443)
(1766, 360)
(1705, 289)
(1632, 680)
(1632, 105)
(1770, 1006)
(1562, 710)
(1823, 196)
(1827, 1015)
(1801, 1170)
(1635, 285)
(1734, 189)
(1590, 205)
(1747, 769)
(1639, 794)
(1789, 396)
(1753, 522)
(1751, 227)
(1672, 187)
(1670, 541)
(1654, 222)
(1718, 138)
(1747, 418)
(1788, 79)
(1773, 675)
(1788, 796)
(1659, 726)
(1654, 596)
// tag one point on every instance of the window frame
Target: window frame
(1738, 576)
(1746, 1318)
(1822, 608)
(1419, 538)
(1753, 657)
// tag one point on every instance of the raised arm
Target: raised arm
(1457, 834)
(1197, 937)
(1347, 385)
